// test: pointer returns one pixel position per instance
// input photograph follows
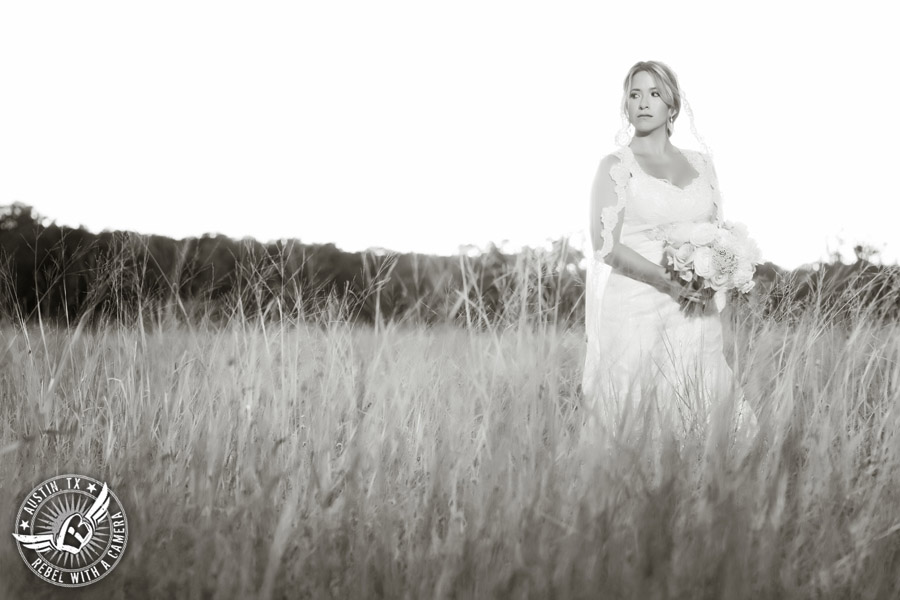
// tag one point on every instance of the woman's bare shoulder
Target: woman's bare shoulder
(609, 160)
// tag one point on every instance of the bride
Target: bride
(654, 346)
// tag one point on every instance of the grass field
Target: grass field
(321, 460)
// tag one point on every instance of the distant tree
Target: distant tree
(865, 252)
(19, 217)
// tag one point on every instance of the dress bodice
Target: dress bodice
(650, 202)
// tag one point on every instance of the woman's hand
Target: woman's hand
(689, 295)
(634, 265)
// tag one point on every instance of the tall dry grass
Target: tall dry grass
(275, 458)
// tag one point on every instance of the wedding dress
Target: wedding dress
(646, 356)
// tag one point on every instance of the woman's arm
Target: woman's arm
(621, 257)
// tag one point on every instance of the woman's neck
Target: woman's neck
(655, 143)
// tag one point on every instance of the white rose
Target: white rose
(743, 275)
(703, 234)
(685, 253)
(703, 261)
(679, 233)
(719, 281)
(739, 229)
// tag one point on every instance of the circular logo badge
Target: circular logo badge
(71, 530)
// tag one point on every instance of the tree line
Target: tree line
(68, 275)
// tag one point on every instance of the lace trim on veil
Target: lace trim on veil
(609, 215)
(714, 184)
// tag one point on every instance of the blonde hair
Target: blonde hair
(666, 81)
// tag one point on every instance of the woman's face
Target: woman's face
(644, 98)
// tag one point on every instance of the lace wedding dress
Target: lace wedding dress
(646, 356)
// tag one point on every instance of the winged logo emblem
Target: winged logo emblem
(75, 532)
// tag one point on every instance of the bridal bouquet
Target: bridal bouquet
(710, 256)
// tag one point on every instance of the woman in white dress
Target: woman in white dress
(654, 346)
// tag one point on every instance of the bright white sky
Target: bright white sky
(421, 126)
